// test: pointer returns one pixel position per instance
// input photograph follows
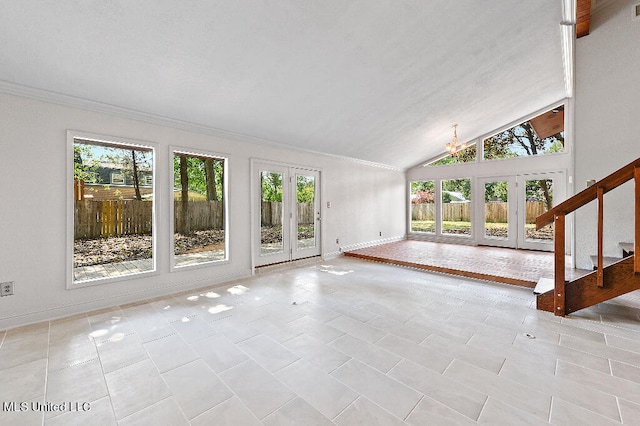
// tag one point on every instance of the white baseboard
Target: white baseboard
(63, 311)
(331, 255)
(372, 243)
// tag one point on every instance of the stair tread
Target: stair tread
(606, 260)
(584, 292)
(544, 285)
(627, 248)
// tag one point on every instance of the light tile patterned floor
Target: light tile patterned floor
(340, 342)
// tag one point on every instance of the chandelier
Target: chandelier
(454, 147)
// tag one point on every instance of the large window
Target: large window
(456, 207)
(423, 201)
(199, 208)
(543, 134)
(112, 225)
(468, 155)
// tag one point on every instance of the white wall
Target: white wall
(607, 122)
(366, 200)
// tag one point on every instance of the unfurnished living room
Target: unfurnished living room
(340, 212)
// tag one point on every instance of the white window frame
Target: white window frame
(548, 163)
(72, 135)
(173, 149)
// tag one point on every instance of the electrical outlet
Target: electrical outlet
(337, 241)
(381, 233)
(6, 289)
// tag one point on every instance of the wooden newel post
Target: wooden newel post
(559, 259)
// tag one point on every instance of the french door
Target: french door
(537, 194)
(511, 205)
(498, 211)
(287, 213)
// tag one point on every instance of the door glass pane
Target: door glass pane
(539, 199)
(306, 192)
(271, 233)
(456, 207)
(198, 206)
(423, 203)
(113, 210)
(496, 210)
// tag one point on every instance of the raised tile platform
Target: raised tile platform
(504, 265)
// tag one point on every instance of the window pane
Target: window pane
(456, 207)
(423, 206)
(305, 194)
(539, 200)
(466, 156)
(496, 210)
(543, 134)
(199, 209)
(272, 240)
(113, 233)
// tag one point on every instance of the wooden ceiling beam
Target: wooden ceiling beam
(583, 17)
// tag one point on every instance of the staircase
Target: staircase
(611, 277)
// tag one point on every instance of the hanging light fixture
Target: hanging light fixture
(454, 147)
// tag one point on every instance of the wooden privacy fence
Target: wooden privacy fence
(94, 219)
(202, 215)
(271, 214)
(495, 211)
(534, 209)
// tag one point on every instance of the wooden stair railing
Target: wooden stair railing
(557, 215)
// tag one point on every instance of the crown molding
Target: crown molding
(89, 105)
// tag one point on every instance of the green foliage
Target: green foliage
(305, 189)
(125, 157)
(84, 163)
(462, 186)
(422, 192)
(521, 140)
(496, 191)
(466, 156)
(538, 190)
(556, 146)
(425, 185)
(127, 160)
(271, 186)
(196, 175)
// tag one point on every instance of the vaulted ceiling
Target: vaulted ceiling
(377, 80)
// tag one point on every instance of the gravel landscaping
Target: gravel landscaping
(100, 251)
(273, 234)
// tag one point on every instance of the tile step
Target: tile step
(544, 285)
(606, 261)
(627, 249)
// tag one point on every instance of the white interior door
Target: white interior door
(287, 213)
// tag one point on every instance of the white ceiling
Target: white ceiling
(381, 81)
